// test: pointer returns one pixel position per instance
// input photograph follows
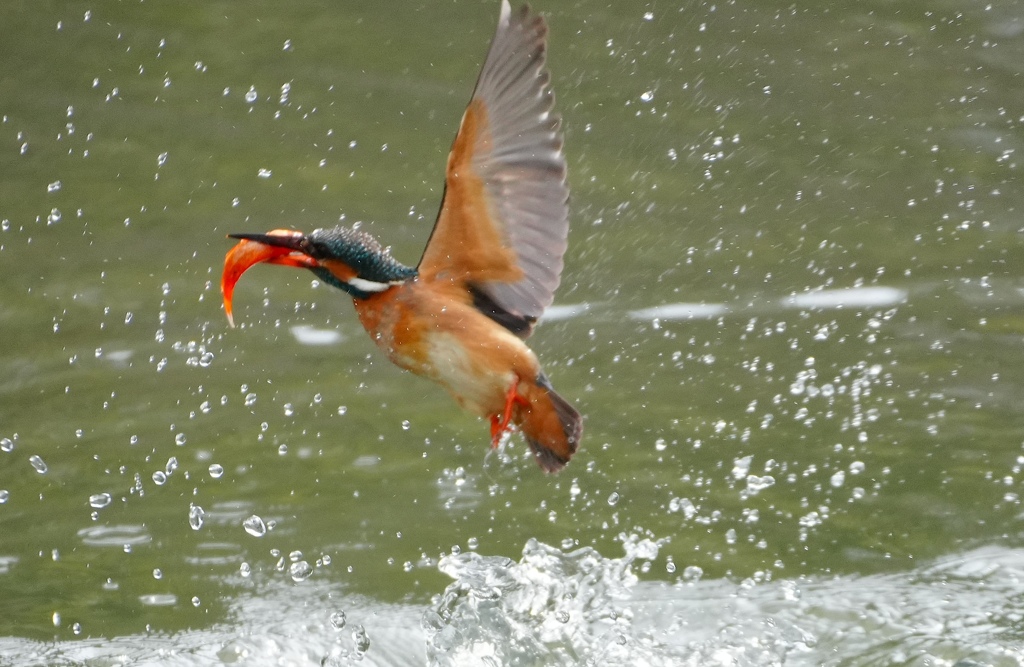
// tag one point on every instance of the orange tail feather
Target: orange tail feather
(551, 425)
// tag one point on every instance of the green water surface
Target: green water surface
(739, 156)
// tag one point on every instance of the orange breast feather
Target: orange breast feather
(433, 330)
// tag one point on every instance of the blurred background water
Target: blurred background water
(792, 312)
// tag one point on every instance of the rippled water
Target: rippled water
(792, 313)
(556, 607)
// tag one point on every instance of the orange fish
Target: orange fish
(491, 266)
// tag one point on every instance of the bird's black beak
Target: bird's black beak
(279, 238)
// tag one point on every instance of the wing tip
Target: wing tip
(524, 18)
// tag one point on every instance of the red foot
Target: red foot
(502, 423)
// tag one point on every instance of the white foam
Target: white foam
(565, 312)
(681, 311)
(857, 297)
(307, 335)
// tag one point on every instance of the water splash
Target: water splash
(552, 608)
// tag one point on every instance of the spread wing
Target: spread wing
(503, 222)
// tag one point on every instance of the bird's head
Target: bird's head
(346, 258)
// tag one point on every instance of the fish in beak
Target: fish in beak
(280, 246)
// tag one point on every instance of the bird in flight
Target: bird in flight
(491, 265)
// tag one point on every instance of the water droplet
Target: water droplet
(342, 410)
(172, 465)
(250, 400)
(405, 425)
(264, 173)
(756, 484)
(250, 95)
(99, 500)
(76, 628)
(6, 445)
(159, 478)
(837, 479)
(361, 640)
(206, 359)
(282, 449)
(562, 617)
(216, 470)
(180, 439)
(5, 495)
(38, 463)
(195, 516)
(692, 573)
(647, 96)
(54, 217)
(289, 410)
(195, 601)
(158, 573)
(300, 570)
(161, 159)
(338, 620)
(56, 619)
(741, 466)
(254, 526)
(613, 498)
(53, 187)
(472, 543)
(245, 569)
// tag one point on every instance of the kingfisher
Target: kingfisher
(492, 262)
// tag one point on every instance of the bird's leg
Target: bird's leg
(500, 423)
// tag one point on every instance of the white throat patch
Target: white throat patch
(368, 285)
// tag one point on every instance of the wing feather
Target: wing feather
(503, 222)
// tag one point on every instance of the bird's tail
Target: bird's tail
(551, 425)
